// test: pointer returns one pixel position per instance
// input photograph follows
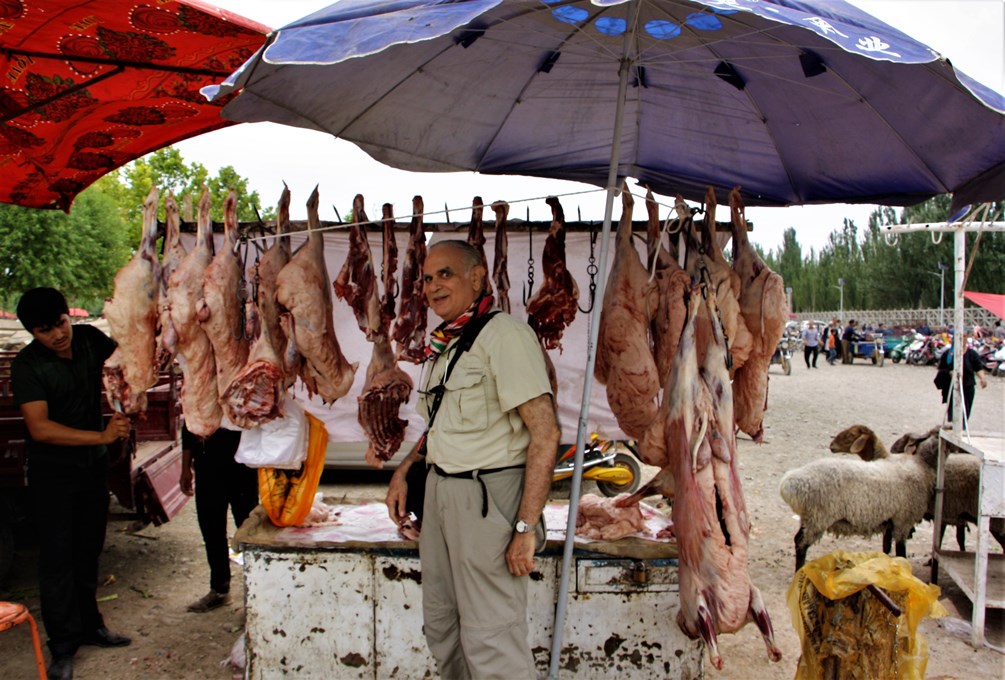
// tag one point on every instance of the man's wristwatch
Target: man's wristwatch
(522, 527)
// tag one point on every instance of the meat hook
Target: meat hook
(591, 270)
(528, 288)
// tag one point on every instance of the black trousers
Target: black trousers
(72, 511)
(968, 399)
(814, 351)
(220, 482)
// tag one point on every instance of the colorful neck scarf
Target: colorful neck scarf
(447, 331)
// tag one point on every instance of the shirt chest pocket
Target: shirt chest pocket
(465, 400)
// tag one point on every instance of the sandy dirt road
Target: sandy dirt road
(153, 574)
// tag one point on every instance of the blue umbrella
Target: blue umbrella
(797, 102)
(810, 101)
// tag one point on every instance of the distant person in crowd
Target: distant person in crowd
(56, 382)
(998, 331)
(220, 483)
(811, 343)
(832, 343)
(847, 338)
(973, 371)
(491, 449)
(924, 328)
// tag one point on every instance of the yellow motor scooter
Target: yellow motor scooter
(612, 464)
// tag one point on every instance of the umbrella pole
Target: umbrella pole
(591, 350)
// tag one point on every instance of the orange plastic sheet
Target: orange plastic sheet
(287, 495)
(846, 632)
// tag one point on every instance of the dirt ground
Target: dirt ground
(153, 574)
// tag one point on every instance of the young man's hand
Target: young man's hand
(118, 428)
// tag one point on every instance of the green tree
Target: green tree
(168, 171)
(78, 253)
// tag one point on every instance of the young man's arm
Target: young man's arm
(46, 431)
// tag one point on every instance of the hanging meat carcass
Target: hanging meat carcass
(304, 294)
(387, 387)
(765, 309)
(711, 267)
(200, 401)
(410, 328)
(256, 394)
(174, 253)
(500, 264)
(625, 362)
(356, 282)
(132, 313)
(553, 307)
(672, 283)
(476, 238)
(272, 262)
(221, 310)
(716, 593)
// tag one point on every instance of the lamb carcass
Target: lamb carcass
(387, 387)
(174, 253)
(304, 294)
(553, 306)
(410, 328)
(716, 593)
(476, 238)
(200, 398)
(711, 267)
(132, 313)
(272, 262)
(356, 282)
(625, 362)
(672, 284)
(221, 310)
(500, 264)
(255, 395)
(765, 310)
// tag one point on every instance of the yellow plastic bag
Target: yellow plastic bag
(846, 632)
(287, 495)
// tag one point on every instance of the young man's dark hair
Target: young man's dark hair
(41, 307)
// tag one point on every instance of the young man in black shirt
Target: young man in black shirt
(56, 382)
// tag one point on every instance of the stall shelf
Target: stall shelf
(980, 575)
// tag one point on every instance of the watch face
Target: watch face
(521, 527)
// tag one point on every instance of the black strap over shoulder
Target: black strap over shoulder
(464, 342)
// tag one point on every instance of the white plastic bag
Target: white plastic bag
(279, 443)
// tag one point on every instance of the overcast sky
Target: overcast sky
(970, 33)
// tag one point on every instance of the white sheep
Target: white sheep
(960, 487)
(849, 497)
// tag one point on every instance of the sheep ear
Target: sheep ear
(864, 447)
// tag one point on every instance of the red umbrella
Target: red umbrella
(990, 301)
(92, 84)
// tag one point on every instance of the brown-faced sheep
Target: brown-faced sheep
(853, 497)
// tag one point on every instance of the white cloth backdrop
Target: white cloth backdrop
(340, 417)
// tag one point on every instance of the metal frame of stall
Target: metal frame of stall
(967, 570)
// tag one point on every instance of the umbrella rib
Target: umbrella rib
(59, 95)
(121, 63)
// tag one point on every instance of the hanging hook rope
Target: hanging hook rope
(591, 270)
(528, 287)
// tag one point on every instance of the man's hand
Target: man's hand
(520, 553)
(117, 428)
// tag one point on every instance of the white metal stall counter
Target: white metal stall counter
(343, 600)
(979, 575)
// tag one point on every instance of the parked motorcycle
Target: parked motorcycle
(899, 351)
(610, 463)
(927, 350)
